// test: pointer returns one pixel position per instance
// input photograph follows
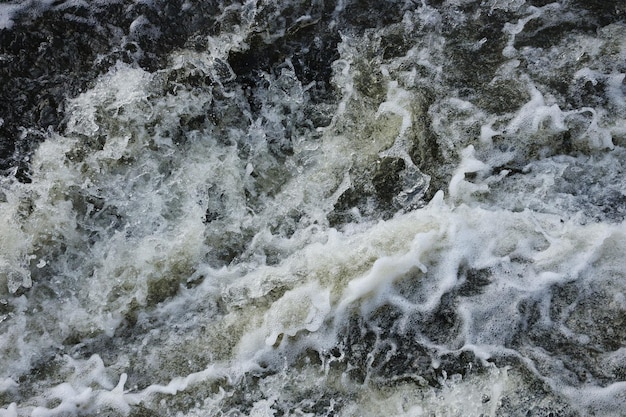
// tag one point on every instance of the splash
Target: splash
(307, 208)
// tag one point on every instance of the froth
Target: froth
(210, 238)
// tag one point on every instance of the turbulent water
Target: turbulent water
(312, 208)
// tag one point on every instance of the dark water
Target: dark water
(406, 208)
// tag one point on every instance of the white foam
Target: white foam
(487, 132)
(71, 400)
(459, 188)
(534, 113)
(506, 5)
(115, 398)
(386, 270)
(7, 12)
(514, 29)
(10, 411)
(598, 399)
(615, 91)
(302, 309)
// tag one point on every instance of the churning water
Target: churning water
(313, 208)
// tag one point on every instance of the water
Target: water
(313, 209)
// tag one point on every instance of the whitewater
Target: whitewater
(312, 208)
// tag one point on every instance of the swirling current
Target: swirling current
(312, 208)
